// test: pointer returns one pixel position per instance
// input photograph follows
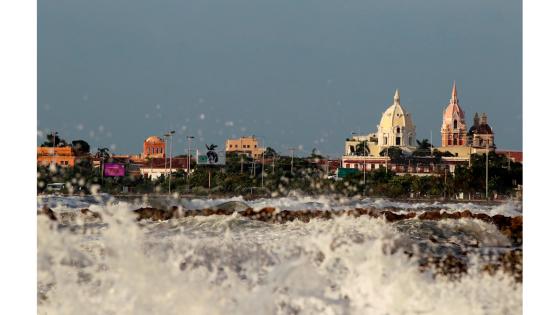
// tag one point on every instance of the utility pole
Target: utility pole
(53, 134)
(262, 170)
(327, 166)
(487, 169)
(165, 136)
(387, 161)
(364, 154)
(431, 145)
(445, 182)
(189, 138)
(170, 160)
(292, 163)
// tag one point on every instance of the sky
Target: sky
(294, 73)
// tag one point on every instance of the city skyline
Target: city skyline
(308, 76)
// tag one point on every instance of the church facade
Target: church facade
(396, 129)
(454, 135)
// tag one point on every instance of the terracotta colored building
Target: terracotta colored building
(154, 147)
(63, 156)
(248, 145)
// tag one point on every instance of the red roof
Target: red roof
(515, 156)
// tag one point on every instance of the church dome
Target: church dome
(396, 127)
(481, 126)
(154, 139)
(482, 129)
(396, 115)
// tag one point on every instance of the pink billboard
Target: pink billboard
(113, 170)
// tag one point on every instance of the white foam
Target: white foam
(237, 266)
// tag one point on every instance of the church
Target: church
(454, 135)
(396, 129)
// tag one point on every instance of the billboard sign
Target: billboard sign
(211, 156)
(113, 170)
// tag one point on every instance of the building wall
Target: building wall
(154, 149)
(247, 145)
(155, 173)
(480, 140)
(62, 156)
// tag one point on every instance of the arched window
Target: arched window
(398, 129)
(455, 124)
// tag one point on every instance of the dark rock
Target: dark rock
(48, 212)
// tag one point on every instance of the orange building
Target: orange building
(63, 156)
(154, 147)
(247, 145)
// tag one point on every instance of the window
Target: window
(398, 142)
(409, 140)
(385, 140)
(255, 145)
(230, 145)
(398, 129)
(455, 124)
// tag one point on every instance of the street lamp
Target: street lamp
(262, 157)
(53, 134)
(292, 163)
(486, 169)
(171, 132)
(189, 138)
(364, 145)
(165, 153)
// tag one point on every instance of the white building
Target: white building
(395, 129)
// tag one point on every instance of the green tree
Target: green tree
(80, 147)
(362, 148)
(393, 152)
(423, 148)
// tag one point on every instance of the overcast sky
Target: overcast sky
(295, 72)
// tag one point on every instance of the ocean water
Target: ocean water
(234, 265)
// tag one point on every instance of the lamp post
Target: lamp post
(262, 162)
(54, 133)
(487, 169)
(262, 171)
(292, 163)
(189, 138)
(171, 132)
(165, 136)
(364, 145)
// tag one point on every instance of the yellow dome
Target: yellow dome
(396, 127)
(396, 116)
(154, 139)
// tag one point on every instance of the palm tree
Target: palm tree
(362, 149)
(424, 144)
(103, 154)
(269, 152)
(423, 148)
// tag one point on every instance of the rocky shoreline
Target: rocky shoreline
(508, 260)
